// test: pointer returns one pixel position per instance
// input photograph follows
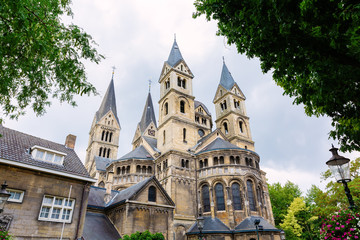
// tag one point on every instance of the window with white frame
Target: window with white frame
(47, 155)
(16, 195)
(56, 209)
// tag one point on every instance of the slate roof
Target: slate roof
(197, 104)
(175, 55)
(152, 142)
(247, 225)
(211, 225)
(148, 114)
(219, 143)
(108, 103)
(96, 197)
(101, 163)
(138, 153)
(226, 80)
(98, 227)
(15, 146)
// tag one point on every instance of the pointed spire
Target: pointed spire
(175, 54)
(226, 80)
(108, 103)
(148, 114)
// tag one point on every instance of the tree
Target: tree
(281, 197)
(40, 56)
(312, 47)
(144, 236)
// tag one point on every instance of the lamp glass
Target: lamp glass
(200, 223)
(341, 172)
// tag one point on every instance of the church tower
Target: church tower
(104, 135)
(230, 109)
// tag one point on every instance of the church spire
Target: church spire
(175, 55)
(148, 115)
(108, 103)
(226, 80)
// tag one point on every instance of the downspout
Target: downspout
(86, 186)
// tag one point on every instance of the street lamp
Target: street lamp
(200, 225)
(4, 196)
(340, 167)
(258, 227)
(282, 235)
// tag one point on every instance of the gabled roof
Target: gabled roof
(15, 149)
(152, 142)
(101, 163)
(138, 153)
(211, 225)
(96, 197)
(226, 80)
(219, 144)
(198, 103)
(98, 227)
(148, 114)
(247, 225)
(175, 55)
(108, 103)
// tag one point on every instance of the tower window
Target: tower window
(197, 119)
(216, 161)
(143, 169)
(205, 198)
(236, 195)
(220, 201)
(232, 160)
(128, 169)
(149, 170)
(203, 120)
(108, 153)
(167, 84)
(182, 106)
(205, 162)
(118, 170)
(187, 164)
(181, 67)
(250, 191)
(179, 82)
(184, 135)
(184, 83)
(221, 160)
(152, 194)
(201, 164)
(106, 136)
(237, 160)
(225, 128)
(100, 151)
(236, 104)
(241, 126)
(164, 137)
(259, 195)
(102, 135)
(182, 163)
(166, 108)
(110, 137)
(257, 164)
(104, 152)
(225, 107)
(138, 169)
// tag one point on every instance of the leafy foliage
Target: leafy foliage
(312, 47)
(40, 56)
(144, 236)
(281, 198)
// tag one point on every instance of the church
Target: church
(179, 168)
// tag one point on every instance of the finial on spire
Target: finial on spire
(174, 37)
(223, 59)
(113, 68)
(149, 84)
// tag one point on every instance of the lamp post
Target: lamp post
(282, 235)
(258, 227)
(4, 196)
(200, 225)
(340, 167)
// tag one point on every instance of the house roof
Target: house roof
(98, 227)
(197, 104)
(101, 163)
(16, 146)
(211, 225)
(175, 55)
(226, 80)
(96, 197)
(138, 153)
(148, 114)
(108, 103)
(247, 225)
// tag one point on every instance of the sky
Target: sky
(136, 37)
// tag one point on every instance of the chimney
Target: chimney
(108, 186)
(70, 141)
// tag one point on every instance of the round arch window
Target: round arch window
(201, 132)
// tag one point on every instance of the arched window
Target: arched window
(100, 151)
(232, 161)
(110, 137)
(182, 163)
(108, 153)
(128, 169)
(216, 161)
(257, 164)
(184, 134)
(118, 170)
(225, 107)
(205, 198)
(222, 107)
(102, 135)
(166, 106)
(182, 106)
(123, 170)
(138, 169)
(221, 160)
(149, 170)
(259, 195)
(201, 164)
(241, 126)
(104, 153)
(164, 137)
(187, 164)
(247, 162)
(220, 201)
(181, 67)
(184, 83)
(152, 194)
(225, 128)
(101, 184)
(205, 162)
(237, 160)
(106, 136)
(251, 164)
(251, 197)
(236, 196)
(143, 169)
(179, 82)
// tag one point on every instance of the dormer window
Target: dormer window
(47, 155)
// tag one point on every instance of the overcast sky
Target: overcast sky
(136, 37)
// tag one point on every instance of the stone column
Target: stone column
(212, 204)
